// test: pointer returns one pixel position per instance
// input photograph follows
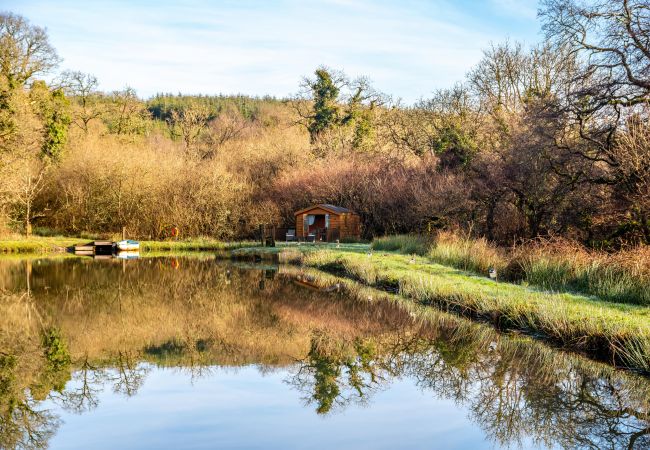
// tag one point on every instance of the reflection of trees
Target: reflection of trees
(126, 375)
(83, 398)
(28, 378)
(335, 374)
(513, 391)
(22, 424)
(130, 374)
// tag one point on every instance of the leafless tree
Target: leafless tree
(83, 88)
(25, 50)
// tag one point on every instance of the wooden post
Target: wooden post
(123, 233)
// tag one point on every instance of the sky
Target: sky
(407, 48)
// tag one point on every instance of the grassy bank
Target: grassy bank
(604, 330)
(552, 265)
(37, 244)
(52, 244)
(197, 244)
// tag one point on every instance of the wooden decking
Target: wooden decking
(94, 248)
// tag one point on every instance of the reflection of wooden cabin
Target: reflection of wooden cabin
(327, 223)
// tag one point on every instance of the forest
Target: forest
(536, 142)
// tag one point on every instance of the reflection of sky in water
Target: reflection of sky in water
(244, 408)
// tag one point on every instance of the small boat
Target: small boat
(127, 245)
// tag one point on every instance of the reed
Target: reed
(466, 253)
(555, 264)
(563, 265)
(410, 244)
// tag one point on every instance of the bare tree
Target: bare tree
(613, 35)
(30, 182)
(607, 99)
(25, 50)
(83, 88)
(228, 125)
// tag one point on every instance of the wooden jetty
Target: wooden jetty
(94, 248)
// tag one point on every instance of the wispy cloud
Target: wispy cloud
(257, 47)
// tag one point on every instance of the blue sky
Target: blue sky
(407, 48)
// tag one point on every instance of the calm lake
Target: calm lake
(194, 352)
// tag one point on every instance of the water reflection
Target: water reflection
(69, 328)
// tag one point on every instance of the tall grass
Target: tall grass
(558, 265)
(410, 244)
(562, 265)
(465, 253)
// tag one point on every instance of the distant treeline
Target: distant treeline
(551, 140)
(162, 105)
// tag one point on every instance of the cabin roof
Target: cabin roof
(337, 210)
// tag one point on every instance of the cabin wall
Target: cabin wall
(299, 226)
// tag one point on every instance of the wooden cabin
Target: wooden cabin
(327, 223)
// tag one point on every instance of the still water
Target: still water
(193, 352)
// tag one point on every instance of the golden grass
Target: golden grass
(556, 264)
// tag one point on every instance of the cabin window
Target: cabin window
(327, 221)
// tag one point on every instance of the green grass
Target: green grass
(196, 244)
(37, 244)
(564, 266)
(50, 244)
(604, 330)
(286, 252)
(408, 244)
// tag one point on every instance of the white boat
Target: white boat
(127, 245)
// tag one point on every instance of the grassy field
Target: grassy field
(37, 244)
(559, 265)
(197, 244)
